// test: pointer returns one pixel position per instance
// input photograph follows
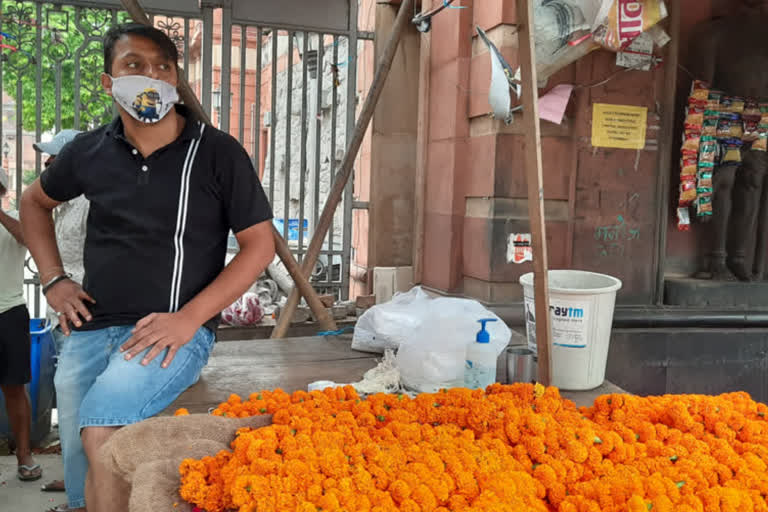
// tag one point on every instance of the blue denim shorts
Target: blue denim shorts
(110, 391)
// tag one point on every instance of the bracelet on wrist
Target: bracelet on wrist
(55, 281)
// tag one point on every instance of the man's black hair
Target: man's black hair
(158, 37)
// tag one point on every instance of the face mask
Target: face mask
(145, 99)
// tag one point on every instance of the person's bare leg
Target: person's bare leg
(103, 492)
(20, 417)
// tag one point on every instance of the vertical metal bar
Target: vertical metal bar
(76, 92)
(57, 95)
(207, 71)
(38, 85)
(226, 67)
(257, 104)
(303, 169)
(243, 64)
(288, 126)
(186, 49)
(346, 231)
(19, 136)
(318, 130)
(334, 118)
(273, 118)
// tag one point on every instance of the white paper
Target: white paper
(519, 249)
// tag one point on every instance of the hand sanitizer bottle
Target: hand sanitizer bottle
(480, 369)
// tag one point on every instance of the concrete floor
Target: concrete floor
(18, 496)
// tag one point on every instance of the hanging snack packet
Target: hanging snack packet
(731, 150)
(700, 90)
(751, 109)
(689, 166)
(763, 113)
(713, 101)
(726, 124)
(704, 183)
(624, 21)
(704, 205)
(761, 143)
(695, 119)
(737, 104)
(691, 143)
(711, 119)
(687, 192)
(683, 219)
(750, 130)
(708, 151)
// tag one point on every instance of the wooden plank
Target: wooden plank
(534, 175)
(666, 147)
(422, 146)
(244, 367)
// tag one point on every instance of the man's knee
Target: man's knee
(94, 438)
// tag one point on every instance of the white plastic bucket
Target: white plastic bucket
(581, 314)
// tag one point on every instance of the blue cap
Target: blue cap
(483, 336)
(55, 145)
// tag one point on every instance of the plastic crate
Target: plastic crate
(40, 389)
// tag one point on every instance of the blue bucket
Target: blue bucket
(40, 388)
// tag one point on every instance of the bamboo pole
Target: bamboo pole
(533, 169)
(337, 192)
(323, 317)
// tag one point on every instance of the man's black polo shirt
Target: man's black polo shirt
(158, 226)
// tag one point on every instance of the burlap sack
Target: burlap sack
(146, 456)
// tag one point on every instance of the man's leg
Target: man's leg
(14, 374)
(20, 417)
(106, 492)
(83, 355)
(126, 393)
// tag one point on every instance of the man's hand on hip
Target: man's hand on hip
(160, 331)
(67, 298)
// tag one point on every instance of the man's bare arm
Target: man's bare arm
(36, 212)
(65, 297)
(13, 226)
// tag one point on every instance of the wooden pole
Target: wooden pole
(666, 146)
(422, 147)
(337, 191)
(323, 317)
(533, 170)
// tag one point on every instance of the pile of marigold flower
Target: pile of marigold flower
(505, 449)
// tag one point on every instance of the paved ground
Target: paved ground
(17, 496)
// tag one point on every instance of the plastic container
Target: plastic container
(581, 313)
(40, 389)
(480, 369)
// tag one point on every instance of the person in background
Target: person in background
(70, 223)
(15, 368)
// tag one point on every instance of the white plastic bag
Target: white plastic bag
(385, 326)
(432, 336)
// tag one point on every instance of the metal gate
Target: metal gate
(288, 92)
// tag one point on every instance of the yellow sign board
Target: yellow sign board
(619, 126)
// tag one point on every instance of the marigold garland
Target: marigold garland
(510, 448)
